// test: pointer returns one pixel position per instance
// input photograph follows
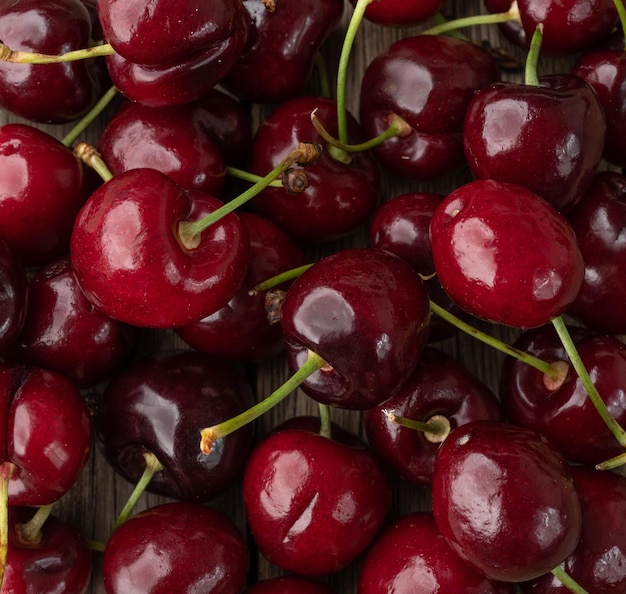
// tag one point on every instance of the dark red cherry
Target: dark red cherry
(59, 560)
(13, 295)
(563, 411)
(599, 222)
(132, 264)
(282, 44)
(401, 12)
(341, 196)
(169, 139)
(438, 387)
(51, 93)
(556, 129)
(289, 584)
(495, 269)
(411, 556)
(241, 330)
(361, 310)
(504, 500)
(313, 504)
(63, 331)
(428, 81)
(157, 405)
(176, 547)
(42, 188)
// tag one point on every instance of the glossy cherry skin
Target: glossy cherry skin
(360, 309)
(176, 547)
(60, 562)
(131, 264)
(401, 12)
(158, 405)
(441, 386)
(46, 433)
(13, 295)
(289, 584)
(564, 412)
(340, 198)
(598, 563)
(51, 93)
(313, 504)
(504, 500)
(282, 43)
(493, 269)
(62, 330)
(169, 139)
(599, 222)
(42, 188)
(548, 138)
(428, 81)
(240, 330)
(411, 556)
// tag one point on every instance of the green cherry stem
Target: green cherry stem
(71, 137)
(23, 57)
(532, 58)
(209, 435)
(325, 426)
(31, 531)
(322, 75)
(278, 279)
(573, 586)
(88, 155)
(6, 471)
(583, 374)
(250, 177)
(152, 467)
(472, 21)
(435, 430)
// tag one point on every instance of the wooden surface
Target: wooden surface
(95, 501)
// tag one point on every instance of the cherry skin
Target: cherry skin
(313, 504)
(289, 584)
(504, 500)
(556, 129)
(428, 81)
(42, 188)
(356, 325)
(156, 405)
(439, 386)
(411, 556)
(282, 45)
(62, 331)
(199, 548)
(401, 12)
(46, 433)
(563, 411)
(60, 560)
(340, 198)
(131, 263)
(492, 268)
(240, 330)
(13, 295)
(598, 563)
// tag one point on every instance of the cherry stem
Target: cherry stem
(251, 177)
(325, 426)
(209, 435)
(306, 153)
(30, 532)
(23, 57)
(611, 463)
(553, 372)
(583, 374)
(436, 429)
(568, 581)
(532, 58)
(322, 75)
(71, 137)
(278, 279)
(6, 471)
(96, 545)
(90, 156)
(152, 467)
(472, 21)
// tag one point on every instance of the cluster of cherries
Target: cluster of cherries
(185, 224)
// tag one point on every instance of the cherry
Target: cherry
(313, 504)
(283, 40)
(401, 12)
(491, 268)
(155, 406)
(13, 295)
(240, 330)
(62, 331)
(428, 81)
(562, 410)
(439, 390)
(289, 584)
(42, 188)
(411, 556)
(176, 547)
(340, 197)
(556, 129)
(504, 500)
(357, 325)
(132, 263)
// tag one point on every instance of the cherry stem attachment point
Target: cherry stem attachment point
(435, 430)
(568, 581)
(209, 435)
(152, 467)
(30, 532)
(90, 156)
(71, 137)
(278, 279)
(471, 21)
(24, 57)
(532, 58)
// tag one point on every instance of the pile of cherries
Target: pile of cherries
(200, 223)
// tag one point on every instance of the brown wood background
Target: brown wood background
(95, 501)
